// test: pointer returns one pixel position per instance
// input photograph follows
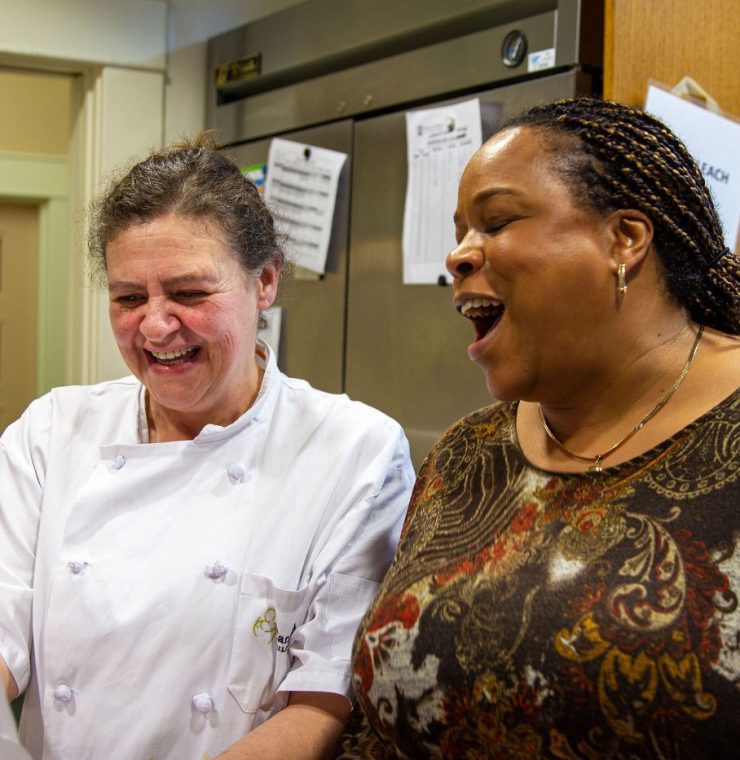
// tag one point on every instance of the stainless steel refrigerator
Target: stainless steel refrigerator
(341, 74)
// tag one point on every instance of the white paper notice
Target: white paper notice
(271, 334)
(713, 141)
(440, 141)
(301, 190)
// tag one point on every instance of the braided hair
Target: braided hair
(613, 156)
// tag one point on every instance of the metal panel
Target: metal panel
(319, 36)
(456, 65)
(406, 346)
(328, 59)
(312, 342)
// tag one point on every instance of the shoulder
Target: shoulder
(494, 422)
(94, 398)
(317, 410)
(69, 406)
(68, 422)
(715, 372)
(473, 439)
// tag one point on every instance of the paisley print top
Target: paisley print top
(530, 614)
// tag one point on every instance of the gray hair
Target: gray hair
(197, 181)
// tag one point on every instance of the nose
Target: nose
(159, 322)
(466, 258)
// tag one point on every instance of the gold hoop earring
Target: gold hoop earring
(621, 281)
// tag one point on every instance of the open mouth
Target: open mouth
(484, 313)
(178, 356)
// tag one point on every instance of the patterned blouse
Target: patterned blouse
(532, 614)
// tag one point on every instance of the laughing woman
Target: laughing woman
(187, 552)
(567, 580)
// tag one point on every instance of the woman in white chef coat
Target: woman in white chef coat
(187, 552)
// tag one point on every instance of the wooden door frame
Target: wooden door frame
(43, 181)
(117, 112)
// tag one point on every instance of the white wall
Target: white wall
(90, 31)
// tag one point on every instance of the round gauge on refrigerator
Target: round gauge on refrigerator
(513, 48)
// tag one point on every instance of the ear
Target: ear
(268, 284)
(632, 236)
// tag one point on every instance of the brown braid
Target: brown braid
(614, 156)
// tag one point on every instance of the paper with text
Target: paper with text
(301, 190)
(440, 141)
(713, 140)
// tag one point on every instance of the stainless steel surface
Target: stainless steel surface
(329, 35)
(406, 345)
(416, 76)
(362, 56)
(312, 340)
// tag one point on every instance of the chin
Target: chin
(501, 390)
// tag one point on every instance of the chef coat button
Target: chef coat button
(237, 472)
(62, 692)
(76, 567)
(118, 461)
(203, 703)
(217, 570)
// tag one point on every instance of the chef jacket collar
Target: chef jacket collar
(258, 411)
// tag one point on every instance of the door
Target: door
(18, 309)
(406, 345)
(313, 317)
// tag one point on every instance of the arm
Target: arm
(309, 728)
(350, 561)
(8, 682)
(21, 466)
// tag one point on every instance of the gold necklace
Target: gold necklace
(598, 458)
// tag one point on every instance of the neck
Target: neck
(166, 424)
(597, 459)
(610, 408)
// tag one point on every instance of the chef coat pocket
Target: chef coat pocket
(266, 618)
(349, 598)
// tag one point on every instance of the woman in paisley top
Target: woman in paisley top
(567, 581)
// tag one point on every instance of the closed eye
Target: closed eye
(189, 295)
(129, 300)
(493, 227)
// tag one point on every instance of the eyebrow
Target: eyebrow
(170, 282)
(488, 192)
(483, 195)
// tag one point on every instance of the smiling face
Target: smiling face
(184, 314)
(532, 269)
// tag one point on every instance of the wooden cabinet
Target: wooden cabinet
(665, 40)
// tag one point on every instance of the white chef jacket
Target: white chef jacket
(10, 749)
(171, 595)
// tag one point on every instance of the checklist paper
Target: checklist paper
(439, 141)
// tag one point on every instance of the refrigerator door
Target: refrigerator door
(406, 345)
(312, 339)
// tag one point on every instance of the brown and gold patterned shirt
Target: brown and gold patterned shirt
(532, 614)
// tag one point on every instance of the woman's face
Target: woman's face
(184, 314)
(532, 270)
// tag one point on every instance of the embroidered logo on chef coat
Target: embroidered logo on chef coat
(267, 624)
